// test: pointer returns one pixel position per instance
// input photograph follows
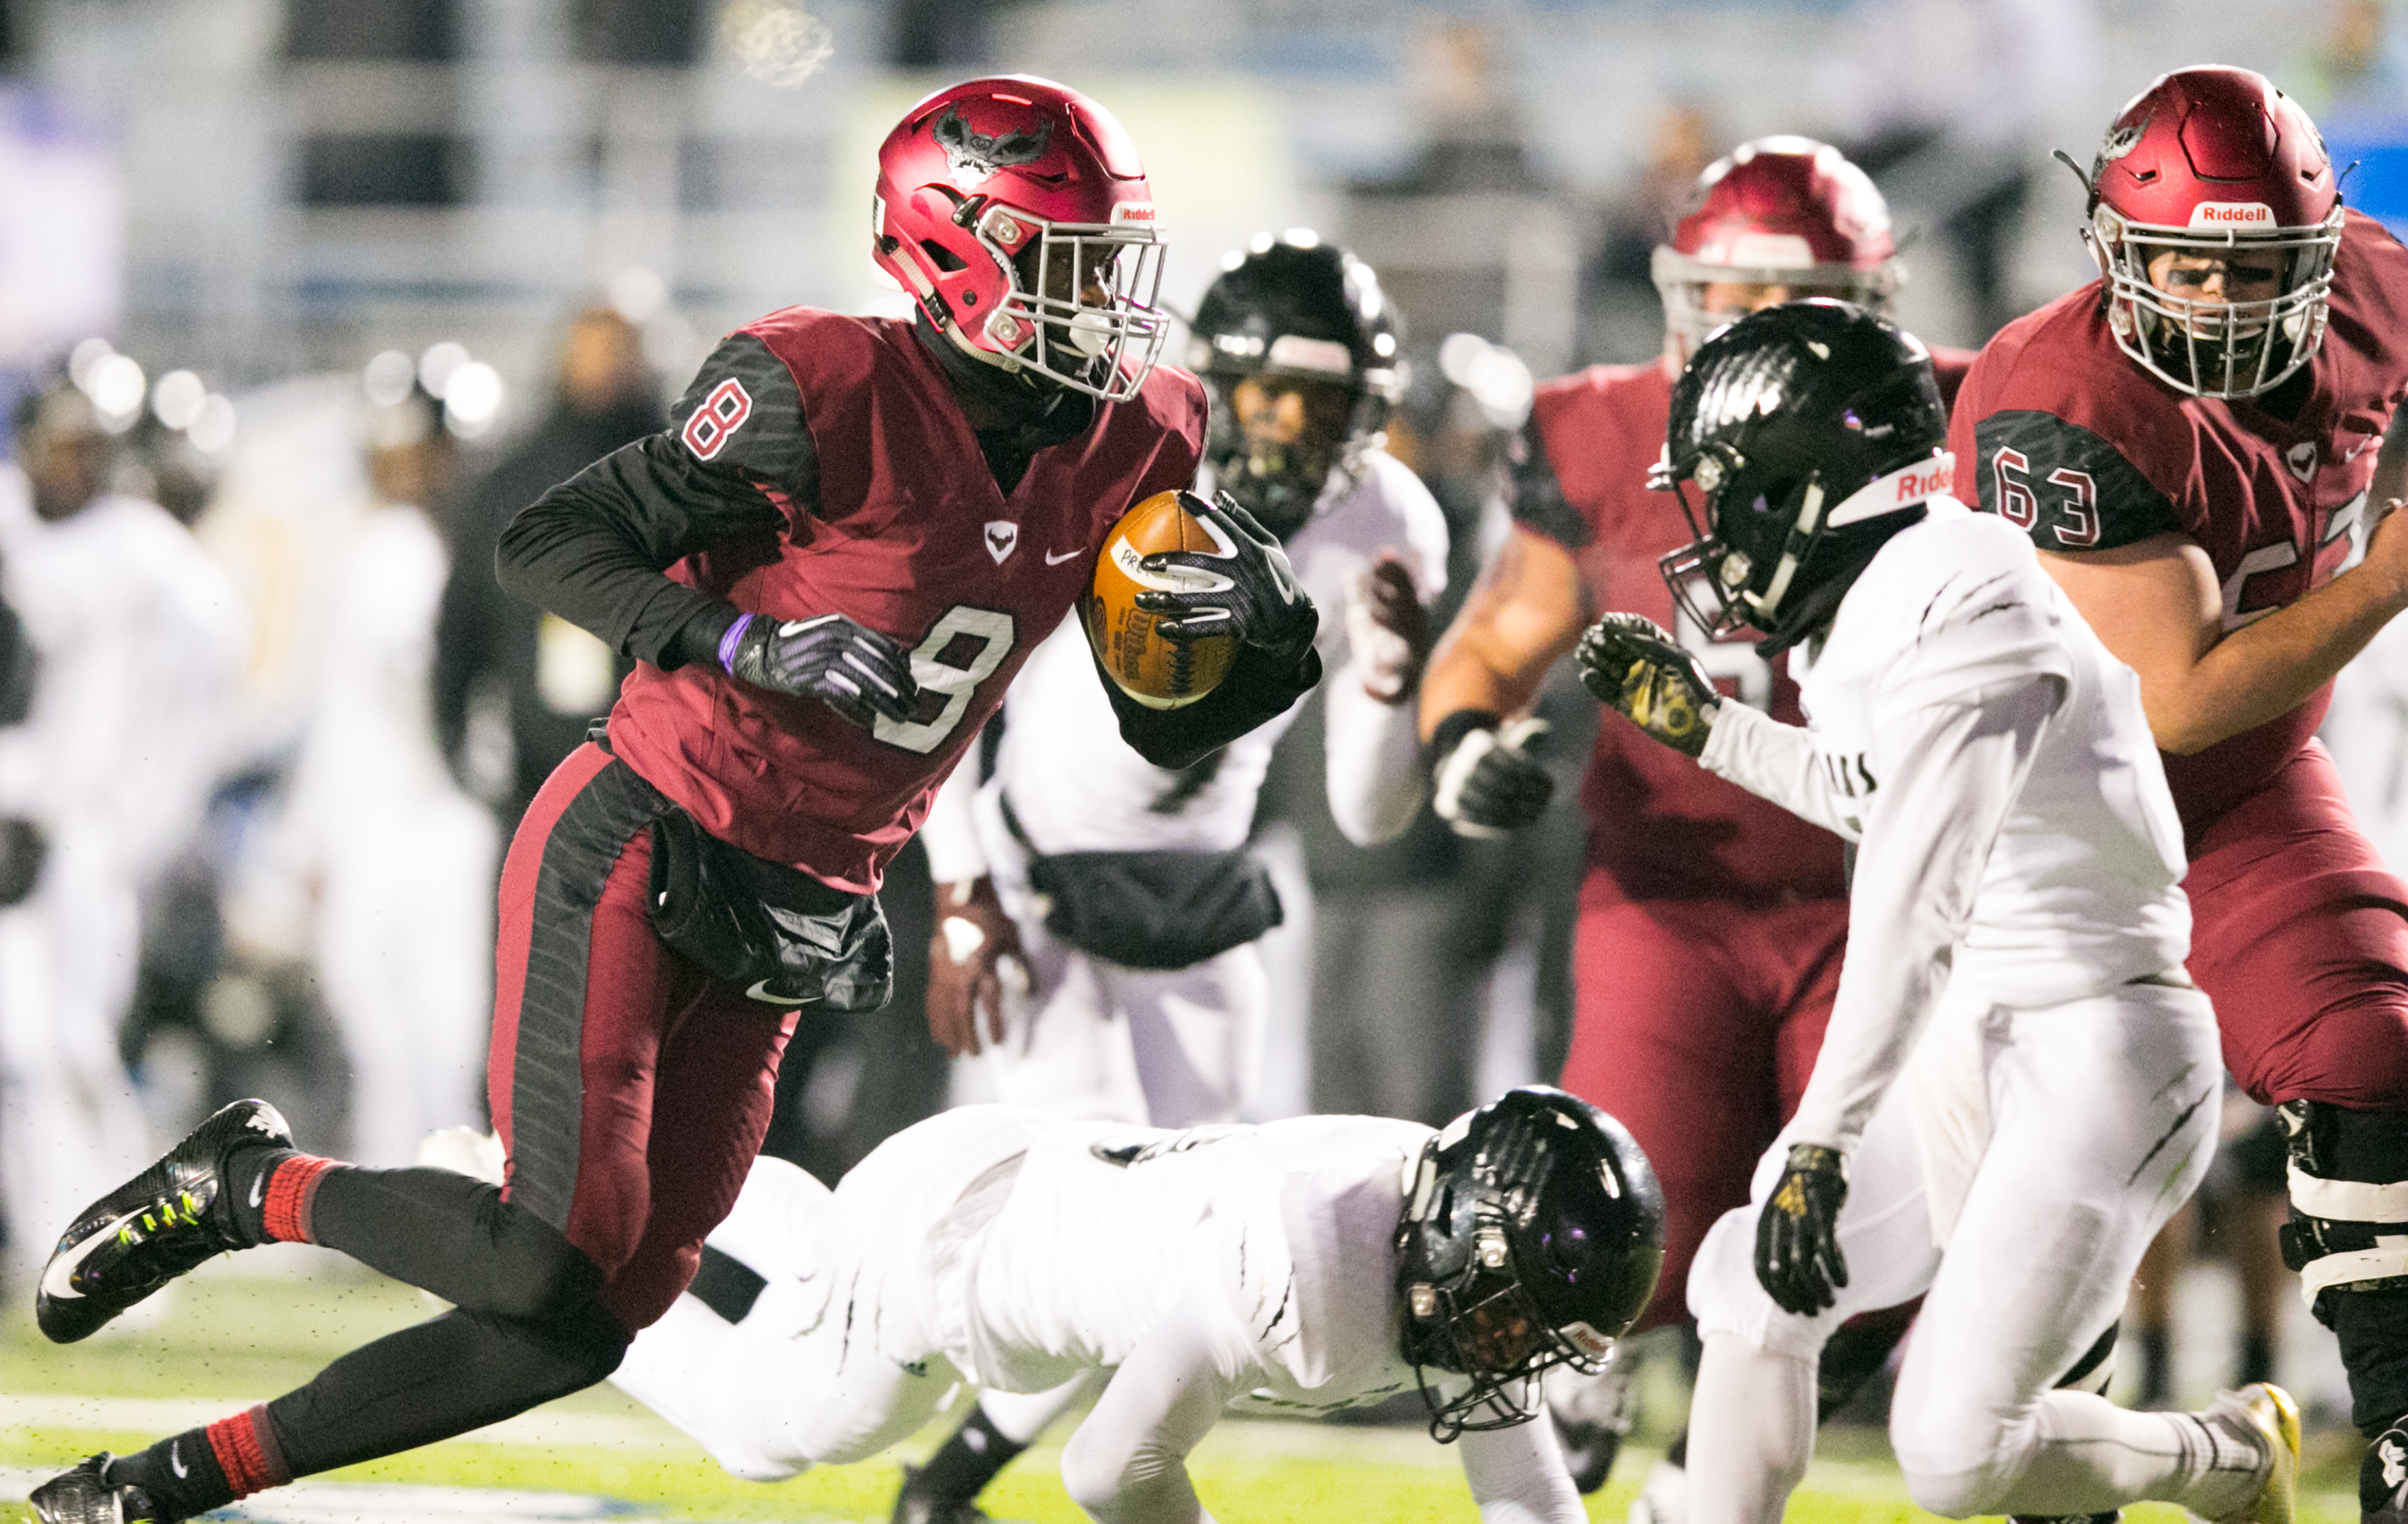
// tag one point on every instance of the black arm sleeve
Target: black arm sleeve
(1255, 690)
(2063, 485)
(592, 550)
(1538, 502)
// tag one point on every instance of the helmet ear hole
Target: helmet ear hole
(942, 257)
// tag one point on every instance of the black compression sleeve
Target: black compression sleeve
(1256, 689)
(592, 550)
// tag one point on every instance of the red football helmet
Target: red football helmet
(1779, 212)
(1017, 212)
(2215, 167)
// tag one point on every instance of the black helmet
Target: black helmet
(1296, 309)
(1532, 1237)
(1815, 431)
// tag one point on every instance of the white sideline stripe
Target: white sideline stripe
(166, 1415)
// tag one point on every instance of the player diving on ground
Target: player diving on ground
(1300, 1266)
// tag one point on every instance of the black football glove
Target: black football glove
(853, 669)
(1244, 587)
(1633, 665)
(1484, 781)
(1797, 1258)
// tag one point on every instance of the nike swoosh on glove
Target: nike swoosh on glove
(1243, 586)
(1797, 1258)
(1635, 667)
(1485, 782)
(851, 667)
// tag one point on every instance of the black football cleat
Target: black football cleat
(2382, 1478)
(158, 1225)
(83, 1496)
(916, 1505)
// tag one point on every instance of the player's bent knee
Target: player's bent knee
(557, 1356)
(1955, 1490)
(536, 1272)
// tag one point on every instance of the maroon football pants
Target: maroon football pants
(1697, 1025)
(631, 1090)
(2299, 936)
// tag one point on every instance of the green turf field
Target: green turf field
(227, 1340)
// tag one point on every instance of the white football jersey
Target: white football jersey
(1282, 1238)
(2036, 867)
(1076, 786)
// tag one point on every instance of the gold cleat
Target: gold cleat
(2265, 1413)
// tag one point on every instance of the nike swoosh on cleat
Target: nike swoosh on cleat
(258, 1186)
(58, 1276)
(175, 1461)
(1054, 560)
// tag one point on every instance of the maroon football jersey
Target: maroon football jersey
(910, 537)
(2068, 440)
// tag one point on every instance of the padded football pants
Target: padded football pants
(2094, 1120)
(632, 1092)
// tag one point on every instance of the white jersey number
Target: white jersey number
(956, 678)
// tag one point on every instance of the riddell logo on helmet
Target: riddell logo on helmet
(2232, 214)
(1125, 212)
(1913, 486)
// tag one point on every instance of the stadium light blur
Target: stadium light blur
(436, 366)
(116, 389)
(389, 377)
(472, 399)
(176, 398)
(211, 429)
(83, 357)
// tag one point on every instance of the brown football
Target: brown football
(1149, 668)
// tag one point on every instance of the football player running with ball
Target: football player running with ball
(1711, 921)
(865, 525)
(1098, 914)
(1299, 1267)
(2190, 442)
(2019, 1081)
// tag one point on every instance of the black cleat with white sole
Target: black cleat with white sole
(165, 1221)
(83, 1496)
(2382, 1478)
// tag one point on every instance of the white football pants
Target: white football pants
(837, 1359)
(1095, 1041)
(2073, 1135)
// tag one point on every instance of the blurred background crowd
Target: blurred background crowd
(301, 300)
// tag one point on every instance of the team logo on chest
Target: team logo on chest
(1002, 538)
(2301, 459)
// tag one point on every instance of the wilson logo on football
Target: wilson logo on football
(722, 413)
(2232, 214)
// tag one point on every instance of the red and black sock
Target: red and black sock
(202, 1469)
(270, 1193)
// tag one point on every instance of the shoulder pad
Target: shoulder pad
(2066, 487)
(743, 413)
